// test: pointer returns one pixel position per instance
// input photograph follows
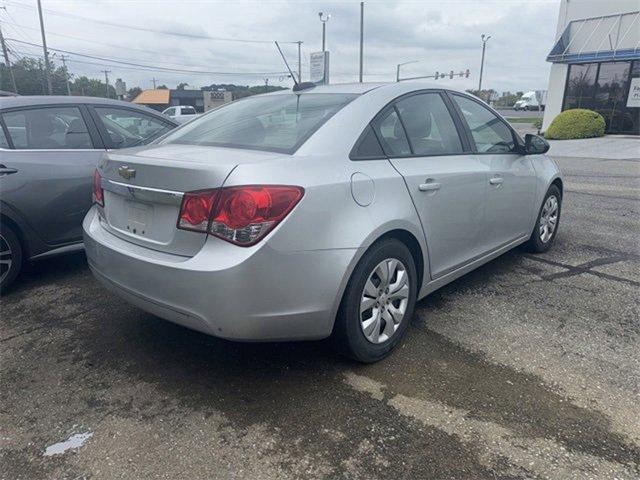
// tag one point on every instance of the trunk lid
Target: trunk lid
(143, 190)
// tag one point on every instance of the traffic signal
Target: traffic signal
(437, 75)
(451, 74)
(466, 74)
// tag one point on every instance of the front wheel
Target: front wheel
(378, 303)
(546, 228)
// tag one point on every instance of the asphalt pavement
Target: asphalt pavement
(526, 368)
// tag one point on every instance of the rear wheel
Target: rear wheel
(378, 303)
(546, 228)
(10, 256)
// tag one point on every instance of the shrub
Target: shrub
(576, 123)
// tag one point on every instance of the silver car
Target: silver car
(49, 149)
(323, 211)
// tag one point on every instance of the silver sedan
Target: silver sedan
(323, 211)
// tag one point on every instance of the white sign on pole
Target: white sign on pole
(633, 100)
(319, 67)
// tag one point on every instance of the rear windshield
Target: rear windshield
(279, 123)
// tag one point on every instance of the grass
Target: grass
(522, 119)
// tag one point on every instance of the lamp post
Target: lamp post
(324, 19)
(485, 39)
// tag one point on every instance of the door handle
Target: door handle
(429, 186)
(496, 181)
(7, 171)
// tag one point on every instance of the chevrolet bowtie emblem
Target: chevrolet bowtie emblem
(126, 172)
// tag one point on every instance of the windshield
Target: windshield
(279, 123)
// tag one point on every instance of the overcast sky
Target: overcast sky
(443, 35)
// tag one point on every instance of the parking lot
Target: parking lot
(526, 368)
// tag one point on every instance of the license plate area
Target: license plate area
(139, 218)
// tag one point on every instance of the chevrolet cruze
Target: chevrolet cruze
(319, 211)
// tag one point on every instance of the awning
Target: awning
(159, 96)
(599, 39)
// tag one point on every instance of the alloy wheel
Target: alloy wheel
(384, 300)
(548, 219)
(6, 258)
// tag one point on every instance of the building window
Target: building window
(604, 87)
(611, 94)
(581, 84)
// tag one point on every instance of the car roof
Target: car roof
(363, 88)
(35, 100)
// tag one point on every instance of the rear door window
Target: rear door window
(429, 125)
(128, 128)
(4, 143)
(391, 133)
(48, 128)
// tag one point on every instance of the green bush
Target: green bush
(576, 123)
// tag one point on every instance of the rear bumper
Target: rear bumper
(255, 293)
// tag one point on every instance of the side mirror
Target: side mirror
(535, 145)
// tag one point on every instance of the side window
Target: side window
(368, 147)
(391, 134)
(128, 128)
(429, 125)
(188, 111)
(4, 143)
(48, 128)
(170, 111)
(489, 132)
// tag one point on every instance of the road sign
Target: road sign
(319, 66)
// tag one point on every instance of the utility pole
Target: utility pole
(106, 80)
(7, 62)
(44, 83)
(361, 38)
(324, 19)
(299, 61)
(154, 82)
(66, 72)
(485, 39)
(47, 66)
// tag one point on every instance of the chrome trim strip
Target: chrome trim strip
(143, 194)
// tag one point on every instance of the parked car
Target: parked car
(181, 114)
(329, 210)
(534, 100)
(49, 148)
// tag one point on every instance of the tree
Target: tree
(30, 77)
(163, 87)
(133, 93)
(182, 85)
(91, 87)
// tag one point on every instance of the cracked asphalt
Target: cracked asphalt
(526, 368)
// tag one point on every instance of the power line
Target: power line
(151, 30)
(170, 64)
(148, 67)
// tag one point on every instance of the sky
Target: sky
(232, 40)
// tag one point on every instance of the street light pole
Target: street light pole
(485, 39)
(361, 40)
(324, 19)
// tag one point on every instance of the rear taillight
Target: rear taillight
(196, 210)
(240, 215)
(98, 193)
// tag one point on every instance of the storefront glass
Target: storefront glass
(604, 87)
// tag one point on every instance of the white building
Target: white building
(596, 62)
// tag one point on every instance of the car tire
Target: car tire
(541, 240)
(525, 108)
(10, 251)
(387, 302)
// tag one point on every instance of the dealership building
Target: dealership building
(596, 62)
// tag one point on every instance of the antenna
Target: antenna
(287, 64)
